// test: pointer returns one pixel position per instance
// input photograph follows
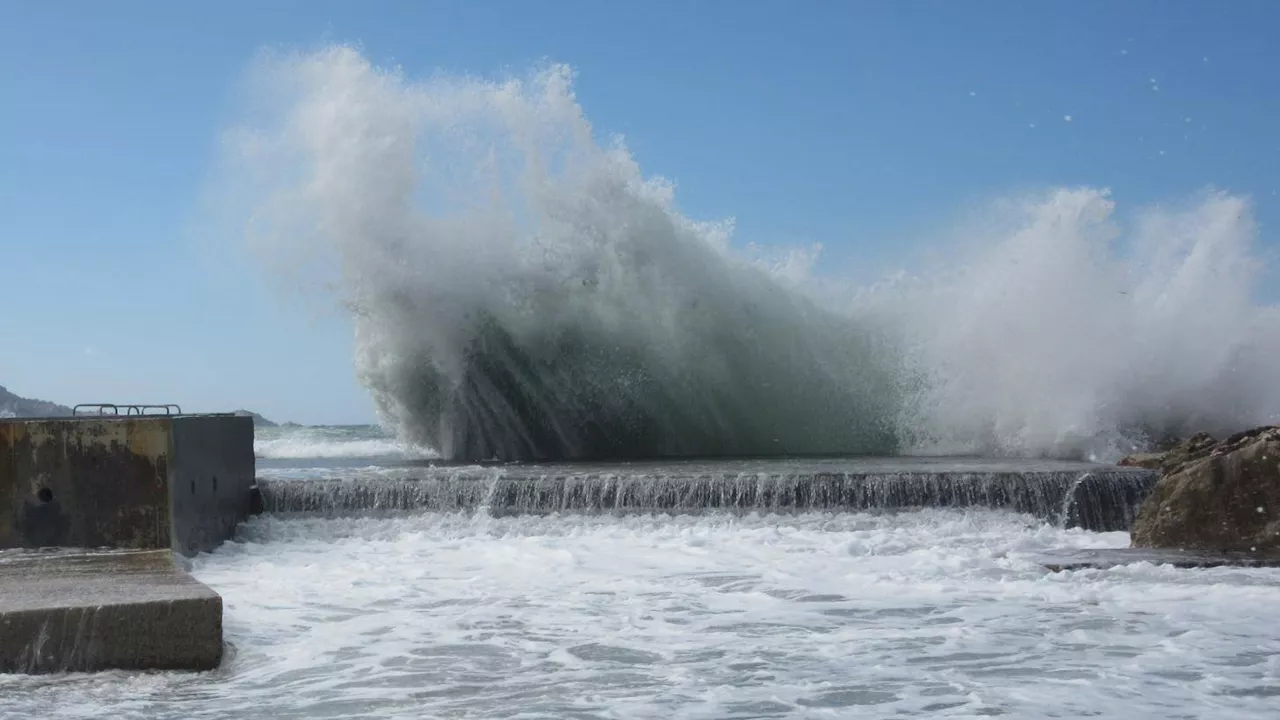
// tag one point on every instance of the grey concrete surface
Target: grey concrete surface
(211, 476)
(78, 611)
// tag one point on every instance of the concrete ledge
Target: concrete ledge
(1105, 559)
(78, 611)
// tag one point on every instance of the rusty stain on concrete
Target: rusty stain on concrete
(85, 483)
(148, 482)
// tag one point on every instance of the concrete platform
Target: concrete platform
(72, 610)
(1105, 559)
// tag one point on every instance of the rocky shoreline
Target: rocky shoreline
(1213, 495)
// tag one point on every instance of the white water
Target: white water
(489, 245)
(938, 614)
(298, 443)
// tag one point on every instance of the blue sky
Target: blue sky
(857, 125)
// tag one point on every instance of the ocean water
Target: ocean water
(915, 613)
(290, 446)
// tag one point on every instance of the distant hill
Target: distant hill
(13, 406)
(258, 420)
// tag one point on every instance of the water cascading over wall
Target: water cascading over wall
(1095, 498)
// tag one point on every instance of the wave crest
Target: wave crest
(520, 290)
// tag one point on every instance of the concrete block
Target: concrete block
(84, 611)
(178, 482)
(211, 478)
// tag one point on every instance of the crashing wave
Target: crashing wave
(521, 290)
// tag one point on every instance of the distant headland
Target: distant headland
(16, 406)
(12, 405)
(258, 420)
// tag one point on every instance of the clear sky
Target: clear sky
(854, 124)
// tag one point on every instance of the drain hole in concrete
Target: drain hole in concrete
(45, 495)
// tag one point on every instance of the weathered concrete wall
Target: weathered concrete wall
(78, 611)
(178, 482)
(211, 471)
(84, 483)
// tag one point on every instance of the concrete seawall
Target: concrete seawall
(149, 485)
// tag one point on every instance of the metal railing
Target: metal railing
(113, 409)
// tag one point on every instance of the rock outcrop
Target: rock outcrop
(1175, 455)
(1214, 496)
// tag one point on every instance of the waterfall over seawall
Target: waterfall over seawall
(1094, 497)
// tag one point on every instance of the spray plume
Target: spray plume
(520, 290)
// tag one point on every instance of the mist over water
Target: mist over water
(1064, 335)
(521, 290)
(330, 443)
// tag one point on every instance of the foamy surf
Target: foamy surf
(926, 614)
(319, 443)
